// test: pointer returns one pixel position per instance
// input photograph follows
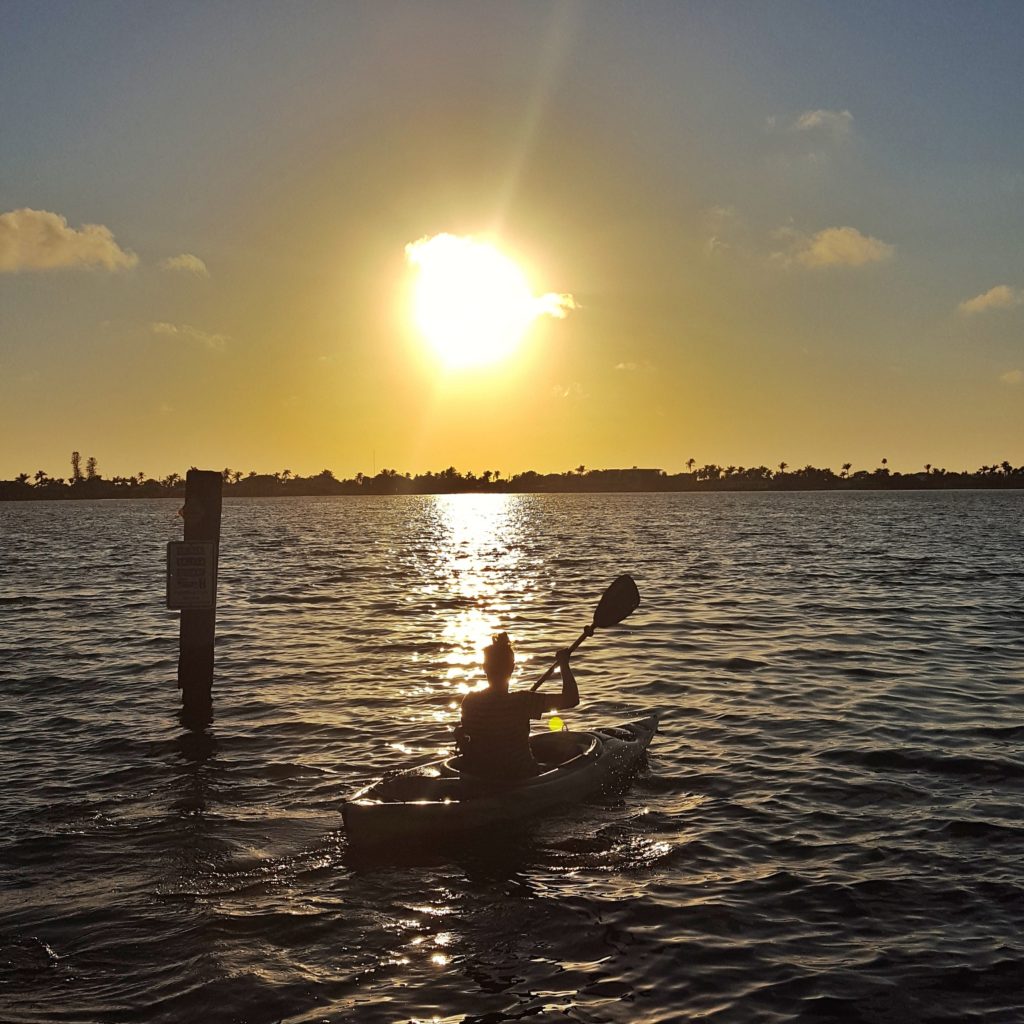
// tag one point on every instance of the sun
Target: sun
(471, 302)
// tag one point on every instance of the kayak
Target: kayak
(436, 800)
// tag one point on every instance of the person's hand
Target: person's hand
(563, 656)
(589, 630)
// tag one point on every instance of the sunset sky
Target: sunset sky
(762, 231)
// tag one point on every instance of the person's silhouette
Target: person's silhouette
(494, 737)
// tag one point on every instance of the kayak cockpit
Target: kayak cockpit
(551, 749)
(556, 753)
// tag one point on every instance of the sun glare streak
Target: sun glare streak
(471, 302)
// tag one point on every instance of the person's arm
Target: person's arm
(570, 695)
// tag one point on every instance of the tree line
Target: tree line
(89, 483)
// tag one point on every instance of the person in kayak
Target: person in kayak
(494, 737)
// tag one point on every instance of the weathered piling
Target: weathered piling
(198, 623)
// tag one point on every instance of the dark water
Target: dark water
(829, 828)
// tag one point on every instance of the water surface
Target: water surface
(828, 829)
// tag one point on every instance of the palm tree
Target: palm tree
(40, 477)
(927, 469)
(581, 469)
(783, 466)
(690, 463)
(847, 466)
(21, 478)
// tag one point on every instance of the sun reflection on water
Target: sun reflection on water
(479, 553)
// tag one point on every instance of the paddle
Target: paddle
(619, 601)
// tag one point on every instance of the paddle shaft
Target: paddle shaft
(618, 602)
(547, 675)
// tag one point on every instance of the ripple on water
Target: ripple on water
(828, 827)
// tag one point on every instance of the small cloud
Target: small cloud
(217, 342)
(810, 141)
(1000, 297)
(631, 367)
(833, 247)
(834, 124)
(187, 263)
(556, 304)
(573, 390)
(724, 227)
(1012, 377)
(40, 240)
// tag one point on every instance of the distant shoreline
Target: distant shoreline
(706, 479)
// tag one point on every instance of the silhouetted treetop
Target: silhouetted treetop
(709, 477)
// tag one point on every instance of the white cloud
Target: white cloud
(186, 262)
(40, 240)
(1000, 297)
(724, 227)
(837, 124)
(217, 342)
(556, 304)
(573, 390)
(1012, 377)
(834, 247)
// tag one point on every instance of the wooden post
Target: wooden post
(198, 625)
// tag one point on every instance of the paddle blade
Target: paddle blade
(620, 600)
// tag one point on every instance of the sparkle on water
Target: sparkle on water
(829, 828)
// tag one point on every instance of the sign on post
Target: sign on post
(191, 574)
